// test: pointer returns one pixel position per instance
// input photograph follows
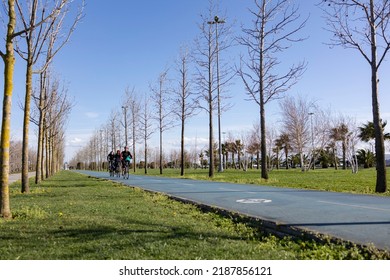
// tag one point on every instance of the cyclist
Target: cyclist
(126, 159)
(126, 155)
(117, 162)
(110, 159)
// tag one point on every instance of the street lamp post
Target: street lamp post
(125, 113)
(217, 21)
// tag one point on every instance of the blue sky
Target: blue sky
(127, 43)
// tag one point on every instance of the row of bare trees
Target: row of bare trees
(139, 116)
(53, 107)
(275, 28)
(362, 25)
(36, 30)
(172, 102)
(308, 136)
(15, 162)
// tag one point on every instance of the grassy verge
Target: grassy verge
(72, 216)
(320, 179)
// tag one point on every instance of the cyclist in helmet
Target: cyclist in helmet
(117, 160)
(111, 161)
(126, 156)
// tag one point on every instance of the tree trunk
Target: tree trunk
(134, 143)
(263, 142)
(239, 158)
(47, 154)
(182, 145)
(286, 153)
(39, 167)
(9, 63)
(211, 141)
(264, 169)
(381, 184)
(344, 146)
(302, 161)
(146, 156)
(161, 148)
(26, 125)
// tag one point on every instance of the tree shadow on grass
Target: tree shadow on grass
(137, 236)
(137, 227)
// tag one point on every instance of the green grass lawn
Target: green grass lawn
(320, 179)
(71, 216)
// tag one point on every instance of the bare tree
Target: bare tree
(183, 101)
(353, 140)
(205, 79)
(54, 107)
(296, 124)
(146, 130)
(53, 45)
(345, 132)
(271, 138)
(163, 115)
(212, 76)
(114, 131)
(134, 106)
(276, 25)
(57, 114)
(9, 62)
(319, 131)
(254, 143)
(30, 13)
(15, 162)
(363, 25)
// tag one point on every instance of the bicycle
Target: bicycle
(117, 169)
(111, 168)
(126, 170)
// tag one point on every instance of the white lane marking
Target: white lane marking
(254, 200)
(236, 190)
(230, 190)
(355, 206)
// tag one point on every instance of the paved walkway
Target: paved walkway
(16, 177)
(362, 219)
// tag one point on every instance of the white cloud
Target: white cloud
(92, 115)
(76, 140)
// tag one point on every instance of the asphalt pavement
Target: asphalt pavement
(16, 177)
(361, 219)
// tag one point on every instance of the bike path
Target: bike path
(18, 176)
(361, 219)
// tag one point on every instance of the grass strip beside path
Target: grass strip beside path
(327, 179)
(71, 216)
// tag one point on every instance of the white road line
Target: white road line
(355, 206)
(229, 190)
(236, 190)
(253, 200)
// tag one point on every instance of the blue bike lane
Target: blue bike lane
(361, 219)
